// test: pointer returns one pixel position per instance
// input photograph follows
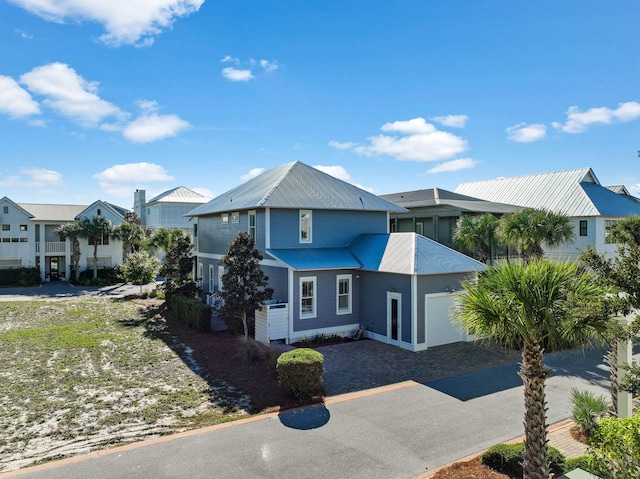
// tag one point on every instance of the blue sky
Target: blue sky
(100, 98)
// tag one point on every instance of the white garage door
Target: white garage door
(438, 324)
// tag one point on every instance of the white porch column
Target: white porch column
(43, 248)
(625, 356)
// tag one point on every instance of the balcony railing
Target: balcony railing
(52, 247)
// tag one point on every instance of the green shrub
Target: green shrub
(106, 276)
(507, 459)
(19, 277)
(615, 448)
(587, 409)
(193, 313)
(300, 372)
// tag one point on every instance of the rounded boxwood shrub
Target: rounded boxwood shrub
(507, 459)
(300, 372)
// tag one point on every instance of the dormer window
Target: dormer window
(99, 212)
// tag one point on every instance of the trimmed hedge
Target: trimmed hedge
(507, 459)
(300, 372)
(193, 313)
(20, 277)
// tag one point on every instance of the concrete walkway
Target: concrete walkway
(56, 290)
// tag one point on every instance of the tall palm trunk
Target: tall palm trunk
(611, 358)
(533, 374)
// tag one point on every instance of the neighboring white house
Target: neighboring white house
(28, 238)
(593, 208)
(168, 209)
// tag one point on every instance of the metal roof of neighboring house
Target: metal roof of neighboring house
(410, 253)
(117, 210)
(295, 185)
(179, 194)
(303, 259)
(572, 192)
(440, 197)
(58, 213)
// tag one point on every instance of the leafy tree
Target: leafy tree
(139, 268)
(132, 236)
(244, 283)
(621, 274)
(477, 234)
(95, 229)
(165, 238)
(528, 229)
(615, 448)
(534, 305)
(177, 268)
(72, 231)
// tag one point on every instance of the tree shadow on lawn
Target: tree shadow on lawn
(216, 357)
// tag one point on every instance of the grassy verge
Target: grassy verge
(78, 375)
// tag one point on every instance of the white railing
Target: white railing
(52, 247)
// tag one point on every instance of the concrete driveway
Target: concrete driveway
(401, 430)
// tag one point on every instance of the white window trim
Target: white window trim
(212, 280)
(235, 217)
(200, 275)
(349, 295)
(314, 312)
(224, 218)
(252, 228)
(310, 236)
(220, 274)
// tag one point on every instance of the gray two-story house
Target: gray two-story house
(331, 260)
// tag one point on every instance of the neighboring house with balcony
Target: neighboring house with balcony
(434, 212)
(331, 260)
(28, 238)
(593, 208)
(168, 209)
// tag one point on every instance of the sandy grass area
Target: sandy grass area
(81, 375)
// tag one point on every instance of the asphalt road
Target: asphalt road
(400, 432)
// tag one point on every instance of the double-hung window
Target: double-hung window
(583, 228)
(308, 298)
(252, 225)
(305, 226)
(608, 224)
(343, 294)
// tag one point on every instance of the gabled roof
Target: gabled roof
(6, 199)
(179, 194)
(57, 213)
(575, 193)
(401, 253)
(295, 185)
(116, 210)
(439, 197)
(410, 253)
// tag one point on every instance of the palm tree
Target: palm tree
(529, 228)
(72, 231)
(165, 238)
(477, 234)
(132, 235)
(535, 306)
(95, 230)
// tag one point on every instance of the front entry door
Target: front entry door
(54, 268)
(394, 316)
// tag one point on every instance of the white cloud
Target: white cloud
(252, 174)
(523, 133)
(578, 121)
(153, 127)
(454, 121)
(349, 145)
(15, 101)
(417, 141)
(342, 174)
(454, 165)
(134, 22)
(39, 179)
(206, 192)
(269, 66)
(235, 74)
(121, 180)
(23, 34)
(230, 59)
(69, 94)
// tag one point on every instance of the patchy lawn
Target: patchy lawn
(81, 375)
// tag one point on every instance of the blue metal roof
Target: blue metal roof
(305, 259)
(402, 253)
